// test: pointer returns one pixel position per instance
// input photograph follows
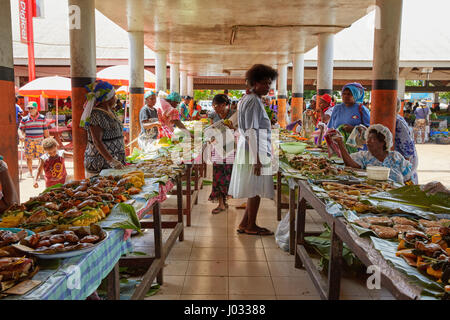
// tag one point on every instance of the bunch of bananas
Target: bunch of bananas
(135, 177)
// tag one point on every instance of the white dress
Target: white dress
(244, 183)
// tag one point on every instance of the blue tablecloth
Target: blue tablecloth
(78, 277)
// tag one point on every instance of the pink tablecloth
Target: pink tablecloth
(163, 190)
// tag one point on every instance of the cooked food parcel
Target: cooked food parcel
(78, 203)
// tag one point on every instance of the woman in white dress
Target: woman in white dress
(252, 170)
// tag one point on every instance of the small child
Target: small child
(52, 162)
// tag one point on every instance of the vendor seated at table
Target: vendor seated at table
(379, 143)
(8, 192)
(351, 112)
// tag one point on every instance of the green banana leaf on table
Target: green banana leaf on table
(430, 288)
(414, 197)
(122, 216)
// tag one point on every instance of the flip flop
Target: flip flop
(242, 206)
(260, 232)
(217, 210)
(240, 231)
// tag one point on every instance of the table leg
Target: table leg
(113, 284)
(188, 194)
(291, 221)
(157, 229)
(301, 220)
(180, 204)
(279, 196)
(334, 266)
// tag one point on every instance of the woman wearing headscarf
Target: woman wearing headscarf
(252, 175)
(351, 112)
(105, 145)
(404, 143)
(168, 114)
(379, 143)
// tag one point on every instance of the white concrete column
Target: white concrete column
(282, 94)
(325, 56)
(401, 88)
(83, 70)
(8, 143)
(386, 51)
(161, 70)
(298, 70)
(136, 85)
(190, 85)
(175, 77)
(183, 83)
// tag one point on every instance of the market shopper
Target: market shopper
(105, 143)
(222, 167)
(8, 193)
(324, 110)
(183, 108)
(249, 178)
(52, 164)
(34, 128)
(379, 143)
(422, 114)
(148, 118)
(351, 112)
(404, 143)
(168, 114)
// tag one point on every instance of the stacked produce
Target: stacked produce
(78, 203)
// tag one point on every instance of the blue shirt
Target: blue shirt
(401, 169)
(422, 113)
(18, 110)
(404, 144)
(349, 115)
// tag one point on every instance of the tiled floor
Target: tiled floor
(214, 262)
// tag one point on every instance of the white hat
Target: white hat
(384, 131)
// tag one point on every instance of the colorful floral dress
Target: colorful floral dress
(166, 115)
(401, 168)
(404, 144)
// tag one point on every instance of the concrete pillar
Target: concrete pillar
(8, 143)
(282, 94)
(401, 93)
(83, 71)
(190, 85)
(386, 52)
(161, 70)
(175, 77)
(136, 86)
(298, 71)
(183, 83)
(325, 54)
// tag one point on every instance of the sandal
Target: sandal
(217, 210)
(260, 232)
(242, 206)
(239, 230)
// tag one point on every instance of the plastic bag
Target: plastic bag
(357, 138)
(333, 147)
(282, 233)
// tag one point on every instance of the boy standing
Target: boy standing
(52, 162)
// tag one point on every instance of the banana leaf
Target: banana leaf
(351, 217)
(322, 245)
(430, 288)
(56, 186)
(122, 216)
(414, 197)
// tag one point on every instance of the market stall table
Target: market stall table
(57, 133)
(341, 231)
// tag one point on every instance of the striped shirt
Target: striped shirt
(33, 127)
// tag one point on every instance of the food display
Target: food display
(8, 237)
(430, 254)
(78, 203)
(315, 166)
(65, 239)
(15, 267)
(160, 167)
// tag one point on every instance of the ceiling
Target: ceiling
(199, 34)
